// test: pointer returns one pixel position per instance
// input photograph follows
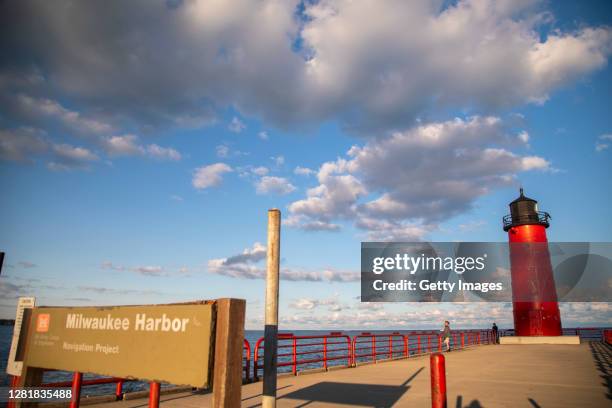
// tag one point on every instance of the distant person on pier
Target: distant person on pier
(446, 335)
(495, 333)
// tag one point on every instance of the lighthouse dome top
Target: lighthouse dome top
(524, 211)
(522, 197)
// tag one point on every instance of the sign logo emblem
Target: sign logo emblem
(42, 323)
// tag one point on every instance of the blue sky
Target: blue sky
(139, 155)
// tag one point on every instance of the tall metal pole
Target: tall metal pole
(271, 328)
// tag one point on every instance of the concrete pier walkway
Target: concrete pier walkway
(486, 376)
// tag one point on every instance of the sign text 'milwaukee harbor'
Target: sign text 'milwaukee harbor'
(141, 323)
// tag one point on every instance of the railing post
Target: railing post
(390, 354)
(429, 343)
(154, 394)
(373, 348)
(349, 352)
(462, 340)
(119, 390)
(406, 351)
(418, 344)
(294, 356)
(325, 353)
(478, 338)
(77, 380)
(439, 343)
(256, 359)
(438, 380)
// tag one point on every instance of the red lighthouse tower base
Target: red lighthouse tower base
(535, 307)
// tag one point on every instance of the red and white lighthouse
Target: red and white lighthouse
(534, 296)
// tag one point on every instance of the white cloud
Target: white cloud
(128, 145)
(391, 230)
(278, 160)
(43, 107)
(604, 144)
(523, 136)
(309, 225)
(303, 171)
(246, 271)
(146, 270)
(119, 145)
(175, 197)
(332, 304)
(360, 316)
(445, 54)
(247, 265)
(263, 135)
(534, 163)
(20, 144)
(74, 153)
(222, 151)
(416, 178)
(260, 171)
(162, 153)
(68, 157)
(124, 145)
(313, 313)
(274, 185)
(335, 196)
(472, 225)
(466, 54)
(209, 176)
(236, 125)
(105, 291)
(253, 254)
(319, 226)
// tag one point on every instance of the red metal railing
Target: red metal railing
(367, 346)
(360, 348)
(246, 368)
(317, 349)
(423, 342)
(77, 383)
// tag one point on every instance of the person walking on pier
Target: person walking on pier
(495, 333)
(446, 335)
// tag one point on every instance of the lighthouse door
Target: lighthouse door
(535, 323)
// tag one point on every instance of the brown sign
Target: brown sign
(170, 343)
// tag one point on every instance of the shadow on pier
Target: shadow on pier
(602, 354)
(356, 394)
